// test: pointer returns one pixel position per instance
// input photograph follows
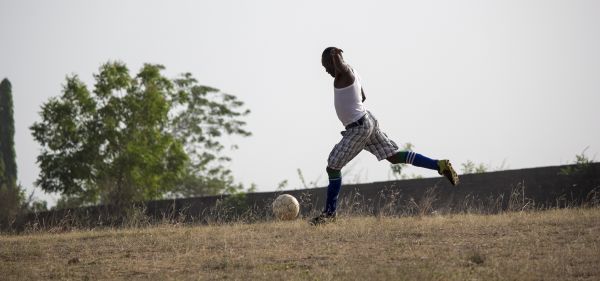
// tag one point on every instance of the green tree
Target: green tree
(203, 116)
(8, 165)
(11, 195)
(132, 138)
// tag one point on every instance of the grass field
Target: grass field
(549, 245)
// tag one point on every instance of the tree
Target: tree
(11, 195)
(8, 165)
(132, 138)
(204, 114)
(11, 204)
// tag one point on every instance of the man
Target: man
(362, 132)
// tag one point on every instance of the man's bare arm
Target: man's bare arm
(343, 74)
(338, 62)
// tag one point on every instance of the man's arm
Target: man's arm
(338, 62)
(343, 75)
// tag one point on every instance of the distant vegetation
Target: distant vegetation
(582, 164)
(13, 201)
(11, 195)
(471, 168)
(136, 138)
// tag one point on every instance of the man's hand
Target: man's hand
(336, 51)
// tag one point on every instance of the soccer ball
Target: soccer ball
(286, 207)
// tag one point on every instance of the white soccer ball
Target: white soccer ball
(286, 207)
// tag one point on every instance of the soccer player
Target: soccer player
(362, 132)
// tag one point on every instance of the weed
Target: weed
(581, 165)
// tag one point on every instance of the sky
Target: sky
(510, 84)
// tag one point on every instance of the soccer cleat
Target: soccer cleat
(323, 218)
(445, 169)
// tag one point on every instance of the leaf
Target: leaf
(136, 138)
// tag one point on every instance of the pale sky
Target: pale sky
(488, 81)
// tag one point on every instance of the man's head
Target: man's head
(327, 61)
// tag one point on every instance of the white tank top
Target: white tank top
(348, 102)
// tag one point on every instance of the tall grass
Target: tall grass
(387, 203)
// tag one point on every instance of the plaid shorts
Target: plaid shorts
(367, 136)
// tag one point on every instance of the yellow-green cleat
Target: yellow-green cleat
(447, 171)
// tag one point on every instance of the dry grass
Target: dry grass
(549, 245)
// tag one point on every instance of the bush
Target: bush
(11, 198)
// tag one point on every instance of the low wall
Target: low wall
(486, 192)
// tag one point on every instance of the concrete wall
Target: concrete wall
(486, 193)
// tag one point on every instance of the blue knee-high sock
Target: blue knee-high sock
(333, 190)
(419, 160)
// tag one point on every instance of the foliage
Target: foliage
(282, 185)
(11, 195)
(471, 168)
(32, 204)
(37, 206)
(237, 199)
(301, 177)
(581, 164)
(396, 170)
(8, 165)
(200, 117)
(311, 184)
(135, 138)
(11, 198)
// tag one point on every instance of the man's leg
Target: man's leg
(352, 143)
(415, 159)
(380, 145)
(333, 191)
(443, 167)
